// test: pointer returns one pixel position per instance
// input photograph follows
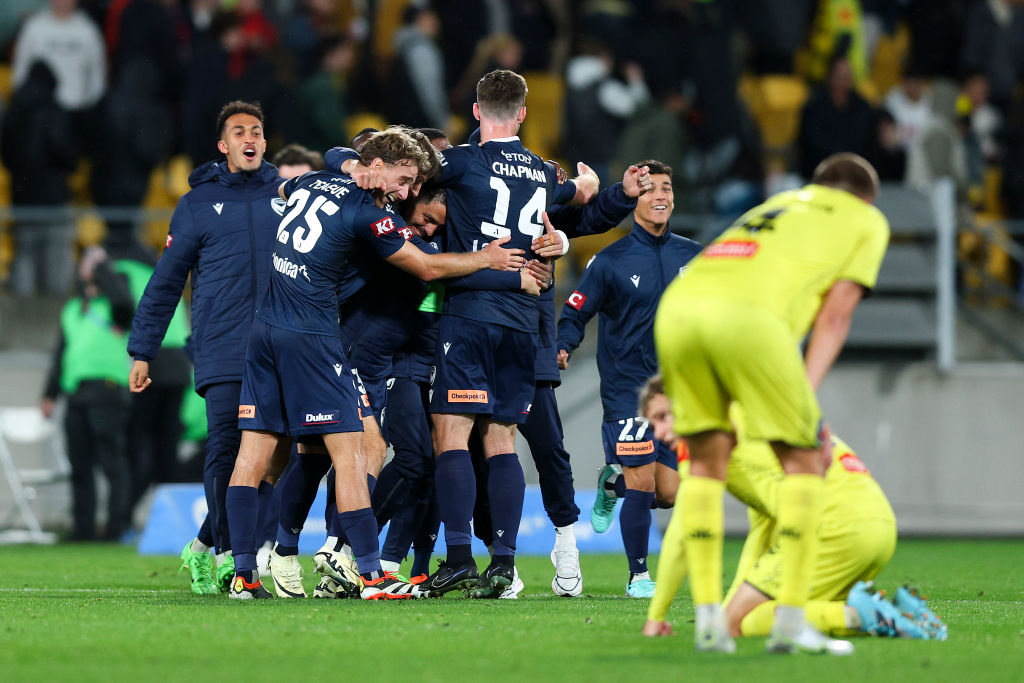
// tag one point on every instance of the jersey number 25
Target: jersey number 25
(304, 237)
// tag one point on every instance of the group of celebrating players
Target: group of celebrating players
(403, 296)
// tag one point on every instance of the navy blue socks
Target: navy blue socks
(243, 518)
(361, 529)
(635, 523)
(505, 488)
(456, 492)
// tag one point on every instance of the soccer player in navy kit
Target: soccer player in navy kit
(623, 284)
(221, 229)
(488, 340)
(297, 380)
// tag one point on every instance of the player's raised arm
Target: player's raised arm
(831, 326)
(433, 266)
(587, 184)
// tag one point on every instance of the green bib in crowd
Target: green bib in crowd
(138, 275)
(93, 347)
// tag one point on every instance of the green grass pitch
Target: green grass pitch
(85, 613)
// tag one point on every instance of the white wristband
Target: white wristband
(565, 242)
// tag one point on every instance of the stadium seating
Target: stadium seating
(901, 315)
(775, 102)
(542, 131)
(358, 122)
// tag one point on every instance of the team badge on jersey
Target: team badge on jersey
(576, 300)
(278, 205)
(383, 226)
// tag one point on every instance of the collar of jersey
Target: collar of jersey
(514, 138)
(641, 234)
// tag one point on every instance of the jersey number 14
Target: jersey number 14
(529, 216)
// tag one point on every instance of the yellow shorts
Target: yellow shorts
(714, 352)
(847, 553)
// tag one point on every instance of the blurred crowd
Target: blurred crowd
(109, 102)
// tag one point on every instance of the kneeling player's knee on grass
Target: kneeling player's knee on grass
(734, 619)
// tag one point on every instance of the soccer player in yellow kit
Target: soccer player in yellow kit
(729, 330)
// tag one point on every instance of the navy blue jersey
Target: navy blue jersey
(390, 311)
(610, 207)
(221, 234)
(497, 189)
(623, 283)
(331, 229)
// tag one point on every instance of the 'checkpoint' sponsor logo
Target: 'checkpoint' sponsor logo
(851, 463)
(246, 411)
(731, 249)
(635, 448)
(383, 226)
(467, 396)
(576, 300)
(320, 419)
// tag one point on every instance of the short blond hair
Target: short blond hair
(393, 146)
(654, 386)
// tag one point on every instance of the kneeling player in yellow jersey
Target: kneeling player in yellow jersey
(728, 331)
(856, 538)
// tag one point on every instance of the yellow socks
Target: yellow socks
(800, 502)
(671, 568)
(703, 528)
(827, 617)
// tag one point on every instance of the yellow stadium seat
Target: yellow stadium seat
(90, 229)
(388, 20)
(982, 255)
(358, 122)
(542, 131)
(889, 58)
(78, 182)
(6, 251)
(993, 190)
(5, 186)
(6, 82)
(775, 102)
(176, 182)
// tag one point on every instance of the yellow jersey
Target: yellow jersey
(784, 255)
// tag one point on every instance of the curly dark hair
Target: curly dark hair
(237, 107)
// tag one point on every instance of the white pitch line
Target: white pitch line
(89, 590)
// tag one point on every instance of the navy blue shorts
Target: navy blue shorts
(630, 442)
(483, 369)
(297, 384)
